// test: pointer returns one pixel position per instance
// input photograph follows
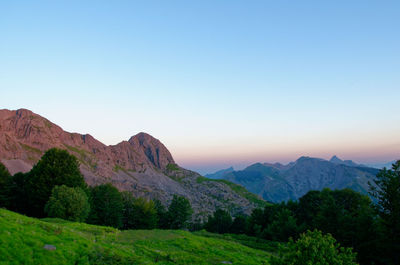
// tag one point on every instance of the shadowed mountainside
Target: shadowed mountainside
(277, 182)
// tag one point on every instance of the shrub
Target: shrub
(68, 203)
(314, 248)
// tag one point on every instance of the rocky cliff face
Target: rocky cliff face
(276, 182)
(142, 165)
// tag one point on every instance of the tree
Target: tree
(139, 213)
(239, 225)
(162, 215)
(68, 203)
(179, 212)
(220, 222)
(387, 193)
(282, 227)
(5, 187)
(314, 248)
(106, 206)
(56, 167)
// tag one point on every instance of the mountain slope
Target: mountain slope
(276, 182)
(219, 173)
(142, 165)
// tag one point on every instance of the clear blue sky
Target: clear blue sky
(220, 83)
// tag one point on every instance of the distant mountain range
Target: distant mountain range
(141, 165)
(278, 182)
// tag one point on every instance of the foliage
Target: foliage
(106, 206)
(5, 186)
(68, 203)
(179, 212)
(314, 248)
(22, 240)
(387, 193)
(239, 189)
(138, 213)
(220, 222)
(239, 225)
(172, 167)
(56, 167)
(162, 216)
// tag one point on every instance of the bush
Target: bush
(314, 248)
(68, 203)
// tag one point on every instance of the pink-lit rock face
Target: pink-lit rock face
(140, 165)
(26, 136)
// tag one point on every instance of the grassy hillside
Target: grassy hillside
(22, 241)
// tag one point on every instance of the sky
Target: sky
(220, 83)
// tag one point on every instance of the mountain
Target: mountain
(277, 182)
(388, 165)
(350, 163)
(220, 173)
(141, 165)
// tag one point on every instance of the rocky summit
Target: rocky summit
(277, 182)
(141, 165)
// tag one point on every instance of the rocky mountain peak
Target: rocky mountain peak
(154, 150)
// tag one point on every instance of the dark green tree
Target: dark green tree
(139, 213)
(56, 167)
(387, 193)
(239, 225)
(68, 203)
(162, 216)
(220, 222)
(314, 248)
(5, 187)
(18, 194)
(282, 227)
(106, 206)
(179, 212)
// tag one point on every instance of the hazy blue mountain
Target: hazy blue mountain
(220, 173)
(382, 165)
(277, 182)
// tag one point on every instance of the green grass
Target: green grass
(22, 239)
(31, 149)
(172, 167)
(239, 189)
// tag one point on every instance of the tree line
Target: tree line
(56, 188)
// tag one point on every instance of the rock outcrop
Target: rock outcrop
(142, 165)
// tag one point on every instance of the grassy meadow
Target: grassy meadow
(22, 241)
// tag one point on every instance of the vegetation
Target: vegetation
(138, 213)
(220, 222)
(179, 213)
(387, 193)
(68, 203)
(106, 206)
(172, 167)
(56, 167)
(22, 241)
(239, 189)
(5, 182)
(314, 248)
